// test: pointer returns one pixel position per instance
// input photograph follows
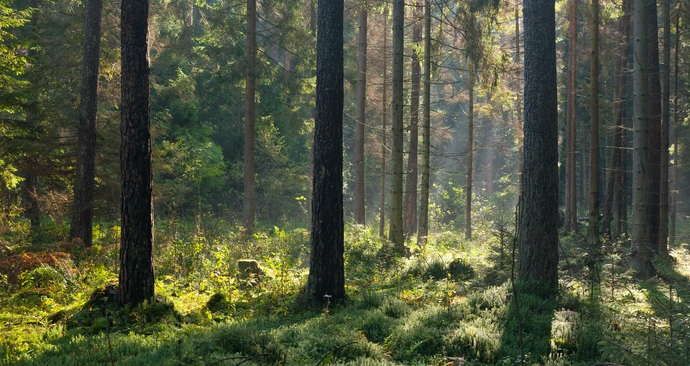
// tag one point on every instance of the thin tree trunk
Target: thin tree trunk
(654, 136)
(410, 214)
(470, 155)
(519, 134)
(613, 183)
(620, 191)
(396, 219)
(82, 205)
(136, 238)
(382, 213)
(593, 229)
(249, 209)
(490, 172)
(641, 253)
(326, 280)
(189, 20)
(360, 203)
(665, 129)
(570, 185)
(32, 209)
(30, 202)
(538, 220)
(426, 129)
(672, 231)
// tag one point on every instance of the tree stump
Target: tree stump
(249, 271)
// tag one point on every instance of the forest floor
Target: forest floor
(451, 303)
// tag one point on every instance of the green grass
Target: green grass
(452, 299)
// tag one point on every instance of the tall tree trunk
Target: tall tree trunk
(423, 232)
(136, 237)
(674, 205)
(664, 136)
(82, 205)
(654, 136)
(593, 229)
(30, 202)
(384, 103)
(641, 252)
(570, 182)
(616, 169)
(360, 205)
(519, 133)
(249, 209)
(396, 222)
(410, 214)
(326, 269)
(470, 155)
(538, 222)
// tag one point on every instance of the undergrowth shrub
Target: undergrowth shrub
(394, 307)
(478, 338)
(247, 340)
(436, 269)
(422, 333)
(376, 325)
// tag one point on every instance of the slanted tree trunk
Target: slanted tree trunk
(470, 155)
(360, 202)
(538, 220)
(593, 229)
(326, 269)
(570, 162)
(664, 135)
(396, 219)
(423, 232)
(82, 205)
(249, 209)
(384, 103)
(410, 214)
(136, 237)
(641, 252)
(654, 136)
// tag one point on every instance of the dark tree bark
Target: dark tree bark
(641, 252)
(570, 181)
(593, 228)
(396, 219)
(412, 167)
(654, 136)
(538, 222)
(136, 238)
(82, 205)
(360, 200)
(249, 209)
(423, 232)
(326, 269)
